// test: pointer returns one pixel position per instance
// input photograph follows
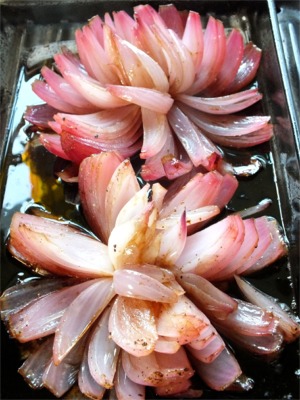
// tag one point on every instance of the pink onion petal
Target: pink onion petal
(66, 91)
(248, 320)
(113, 52)
(153, 167)
(235, 248)
(172, 240)
(192, 38)
(94, 92)
(287, 323)
(166, 345)
(42, 317)
(245, 251)
(187, 65)
(125, 26)
(46, 93)
(86, 383)
(134, 206)
(211, 351)
(229, 125)
(213, 55)
(66, 250)
(261, 345)
(200, 149)
(82, 45)
(222, 105)
(88, 87)
(158, 78)
(133, 69)
(176, 166)
(192, 217)
(98, 168)
(103, 125)
(33, 368)
(20, 295)
(60, 378)
(171, 18)
(69, 173)
(230, 66)
(158, 195)
(182, 321)
(146, 37)
(78, 148)
(88, 305)
(162, 275)
(129, 242)
(246, 140)
(207, 297)
(157, 369)
(52, 143)
(229, 185)
(248, 68)
(132, 325)
(155, 133)
(39, 114)
(211, 249)
(94, 57)
(198, 191)
(175, 389)
(122, 186)
(205, 337)
(143, 97)
(276, 249)
(125, 388)
(135, 282)
(220, 373)
(103, 352)
(264, 240)
(171, 48)
(172, 53)
(96, 25)
(55, 126)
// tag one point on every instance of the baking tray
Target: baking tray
(27, 25)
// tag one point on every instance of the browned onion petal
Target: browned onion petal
(157, 369)
(132, 325)
(181, 321)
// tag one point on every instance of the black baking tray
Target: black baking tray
(30, 25)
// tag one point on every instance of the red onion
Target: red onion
(152, 60)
